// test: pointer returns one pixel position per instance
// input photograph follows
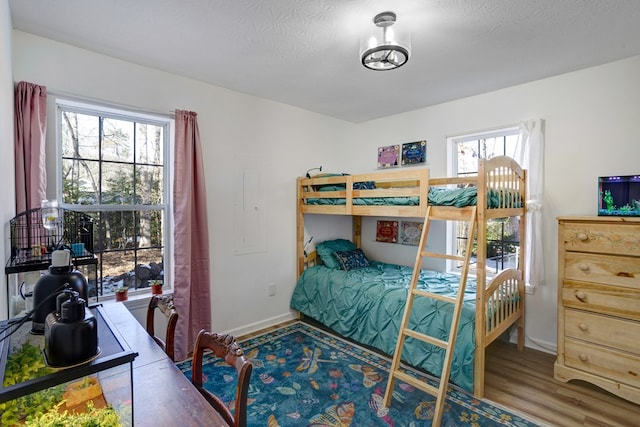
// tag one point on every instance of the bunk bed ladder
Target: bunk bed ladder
(466, 214)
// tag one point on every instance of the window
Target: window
(503, 239)
(113, 167)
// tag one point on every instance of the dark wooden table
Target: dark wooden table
(162, 395)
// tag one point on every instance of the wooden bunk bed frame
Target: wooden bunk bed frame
(493, 295)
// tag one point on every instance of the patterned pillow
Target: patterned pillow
(364, 185)
(351, 260)
(326, 249)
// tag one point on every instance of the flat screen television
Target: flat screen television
(619, 195)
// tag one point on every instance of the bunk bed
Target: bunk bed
(366, 303)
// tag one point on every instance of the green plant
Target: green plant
(86, 382)
(92, 417)
(23, 365)
(607, 198)
(121, 293)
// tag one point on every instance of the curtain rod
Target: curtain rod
(104, 103)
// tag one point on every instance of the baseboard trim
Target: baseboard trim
(541, 345)
(534, 343)
(263, 324)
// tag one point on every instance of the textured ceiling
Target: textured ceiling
(305, 52)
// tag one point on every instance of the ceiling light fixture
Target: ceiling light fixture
(386, 51)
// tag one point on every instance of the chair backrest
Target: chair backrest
(164, 304)
(225, 347)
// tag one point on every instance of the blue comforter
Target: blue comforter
(367, 305)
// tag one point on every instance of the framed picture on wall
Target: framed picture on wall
(410, 232)
(387, 231)
(388, 156)
(414, 153)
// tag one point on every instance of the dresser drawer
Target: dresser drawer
(614, 300)
(603, 361)
(604, 330)
(608, 238)
(606, 269)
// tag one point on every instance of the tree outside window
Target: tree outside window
(503, 235)
(112, 167)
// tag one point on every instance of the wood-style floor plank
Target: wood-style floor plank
(523, 382)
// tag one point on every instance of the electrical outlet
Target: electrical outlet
(272, 289)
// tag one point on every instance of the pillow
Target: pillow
(326, 249)
(364, 185)
(351, 260)
(329, 187)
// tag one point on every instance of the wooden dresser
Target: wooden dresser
(599, 303)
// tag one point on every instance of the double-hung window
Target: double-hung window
(113, 166)
(503, 239)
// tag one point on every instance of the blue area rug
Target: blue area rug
(304, 376)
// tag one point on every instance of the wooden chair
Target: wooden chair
(225, 347)
(164, 303)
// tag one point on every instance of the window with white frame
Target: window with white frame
(503, 239)
(113, 166)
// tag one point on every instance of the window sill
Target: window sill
(135, 300)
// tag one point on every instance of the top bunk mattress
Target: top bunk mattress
(408, 192)
(437, 196)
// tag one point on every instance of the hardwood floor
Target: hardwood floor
(526, 384)
(523, 382)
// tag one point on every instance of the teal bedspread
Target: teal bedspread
(367, 305)
(368, 201)
(458, 197)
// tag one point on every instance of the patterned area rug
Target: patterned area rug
(304, 376)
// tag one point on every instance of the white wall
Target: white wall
(280, 142)
(7, 190)
(591, 118)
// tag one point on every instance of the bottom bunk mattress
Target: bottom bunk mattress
(367, 306)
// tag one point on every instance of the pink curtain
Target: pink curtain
(191, 236)
(30, 159)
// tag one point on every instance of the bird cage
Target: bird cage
(36, 233)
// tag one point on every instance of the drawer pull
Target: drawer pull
(582, 236)
(584, 267)
(583, 327)
(581, 295)
(583, 357)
